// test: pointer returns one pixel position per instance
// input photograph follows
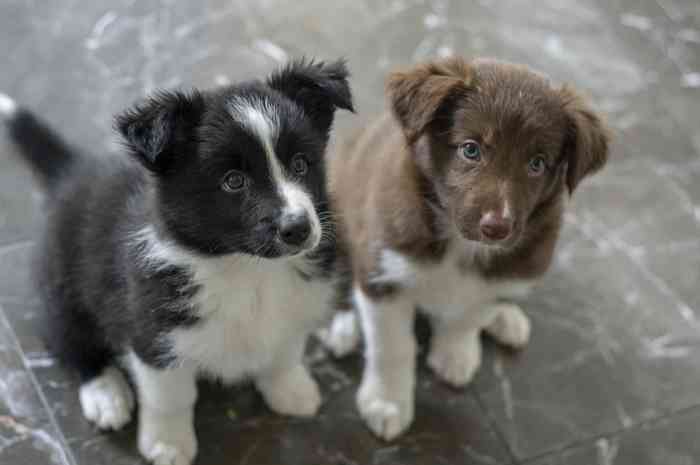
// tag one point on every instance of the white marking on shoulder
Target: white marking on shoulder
(8, 107)
(156, 253)
(395, 268)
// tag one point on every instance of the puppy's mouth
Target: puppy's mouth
(505, 244)
(295, 250)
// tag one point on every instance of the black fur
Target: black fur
(102, 298)
(161, 127)
(317, 87)
(47, 153)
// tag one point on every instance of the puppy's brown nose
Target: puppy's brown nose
(494, 227)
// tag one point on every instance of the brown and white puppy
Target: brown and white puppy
(453, 203)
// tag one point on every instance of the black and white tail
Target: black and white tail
(44, 150)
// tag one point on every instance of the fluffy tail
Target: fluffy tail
(45, 151)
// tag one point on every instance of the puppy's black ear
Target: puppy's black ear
(161, 128)
(417, 95)
(319, 88)
(587, 140)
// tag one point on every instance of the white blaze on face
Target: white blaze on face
(507, 210)
(262, 119)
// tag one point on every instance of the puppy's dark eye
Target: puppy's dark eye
(471, 150)
(536, 166)
(300, 164)
(234, 181)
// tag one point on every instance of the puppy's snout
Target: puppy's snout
(294, 229)
(495, 227)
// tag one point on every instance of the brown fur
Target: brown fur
(404, 185)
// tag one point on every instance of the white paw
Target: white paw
(293, 393)
(161, 453)
(167, 440)
(107, 400)
(387, 414)
(342, 337)
(456, 359)
(511, 326)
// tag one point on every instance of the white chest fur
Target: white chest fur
(251, 313)
(449, 287)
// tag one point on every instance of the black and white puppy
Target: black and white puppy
(206, 251)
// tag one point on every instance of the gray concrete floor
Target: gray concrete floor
(613, 373)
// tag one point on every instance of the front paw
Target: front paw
(511, 326)
(456, 359)
(107, 400)
(294, 393)
(387, 412)
(167, 439)
(342, 336)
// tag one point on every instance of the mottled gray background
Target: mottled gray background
(613, 373)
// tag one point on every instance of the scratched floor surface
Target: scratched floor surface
(613, 373)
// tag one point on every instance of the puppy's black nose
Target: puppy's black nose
(295, 229)
(494, 227)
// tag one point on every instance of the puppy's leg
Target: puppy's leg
(287, 386)
(385, 398)
(107, 400)
(455, 349)
(166, 417)
(342, 337)
(511, 326)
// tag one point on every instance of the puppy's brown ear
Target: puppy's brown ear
(587, 140)
(417, 95)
